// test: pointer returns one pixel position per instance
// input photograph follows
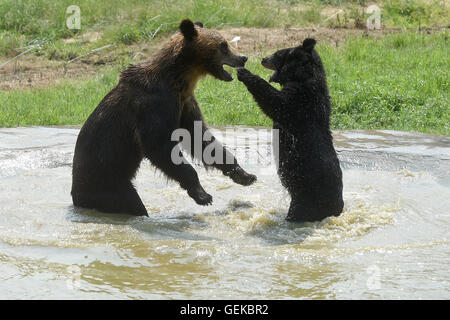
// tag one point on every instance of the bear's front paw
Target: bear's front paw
(242, 73)
(200, 196)
(241, 177)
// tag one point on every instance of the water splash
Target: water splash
(396, 193)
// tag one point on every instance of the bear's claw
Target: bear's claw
(200, 196)
(241, 73)
(241, 177)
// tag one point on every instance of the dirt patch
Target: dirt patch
(30, 71)
(253, 41)
(87, 37)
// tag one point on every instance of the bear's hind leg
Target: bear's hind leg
(304, 211)
(123, 199)
(295, 212)
(300, 212)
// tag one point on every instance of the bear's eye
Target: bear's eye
(224, 47)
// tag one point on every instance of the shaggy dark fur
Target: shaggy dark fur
(136, 120)
(308, 165)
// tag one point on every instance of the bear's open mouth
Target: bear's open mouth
(231, 61)
(270, 66)
(223, 74)
(218, 72)
(267, 65)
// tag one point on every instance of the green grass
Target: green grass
(397, 82)
(400, 82)
(407, 13)
(127, 22)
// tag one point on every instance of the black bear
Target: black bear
(308, 165)
(137, 118)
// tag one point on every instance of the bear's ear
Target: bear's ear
(187, 28)
(308, 44)
(199, 24)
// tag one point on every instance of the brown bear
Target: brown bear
(136, 119)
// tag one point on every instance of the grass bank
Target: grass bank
(399, 82)
(26, 23)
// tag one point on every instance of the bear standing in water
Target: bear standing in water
(136, 119)
(308, 165)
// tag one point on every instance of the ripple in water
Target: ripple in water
(395, 221)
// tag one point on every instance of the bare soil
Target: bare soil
(254, 41)
(29, 71)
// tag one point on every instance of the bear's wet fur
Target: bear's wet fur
(136, 119)
(308, 165)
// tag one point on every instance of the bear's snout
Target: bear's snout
(235, 61)
(267, 63)
(241, 61)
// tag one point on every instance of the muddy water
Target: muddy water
(392, 241)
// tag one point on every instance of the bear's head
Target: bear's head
(208, 51)
(298, 64)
